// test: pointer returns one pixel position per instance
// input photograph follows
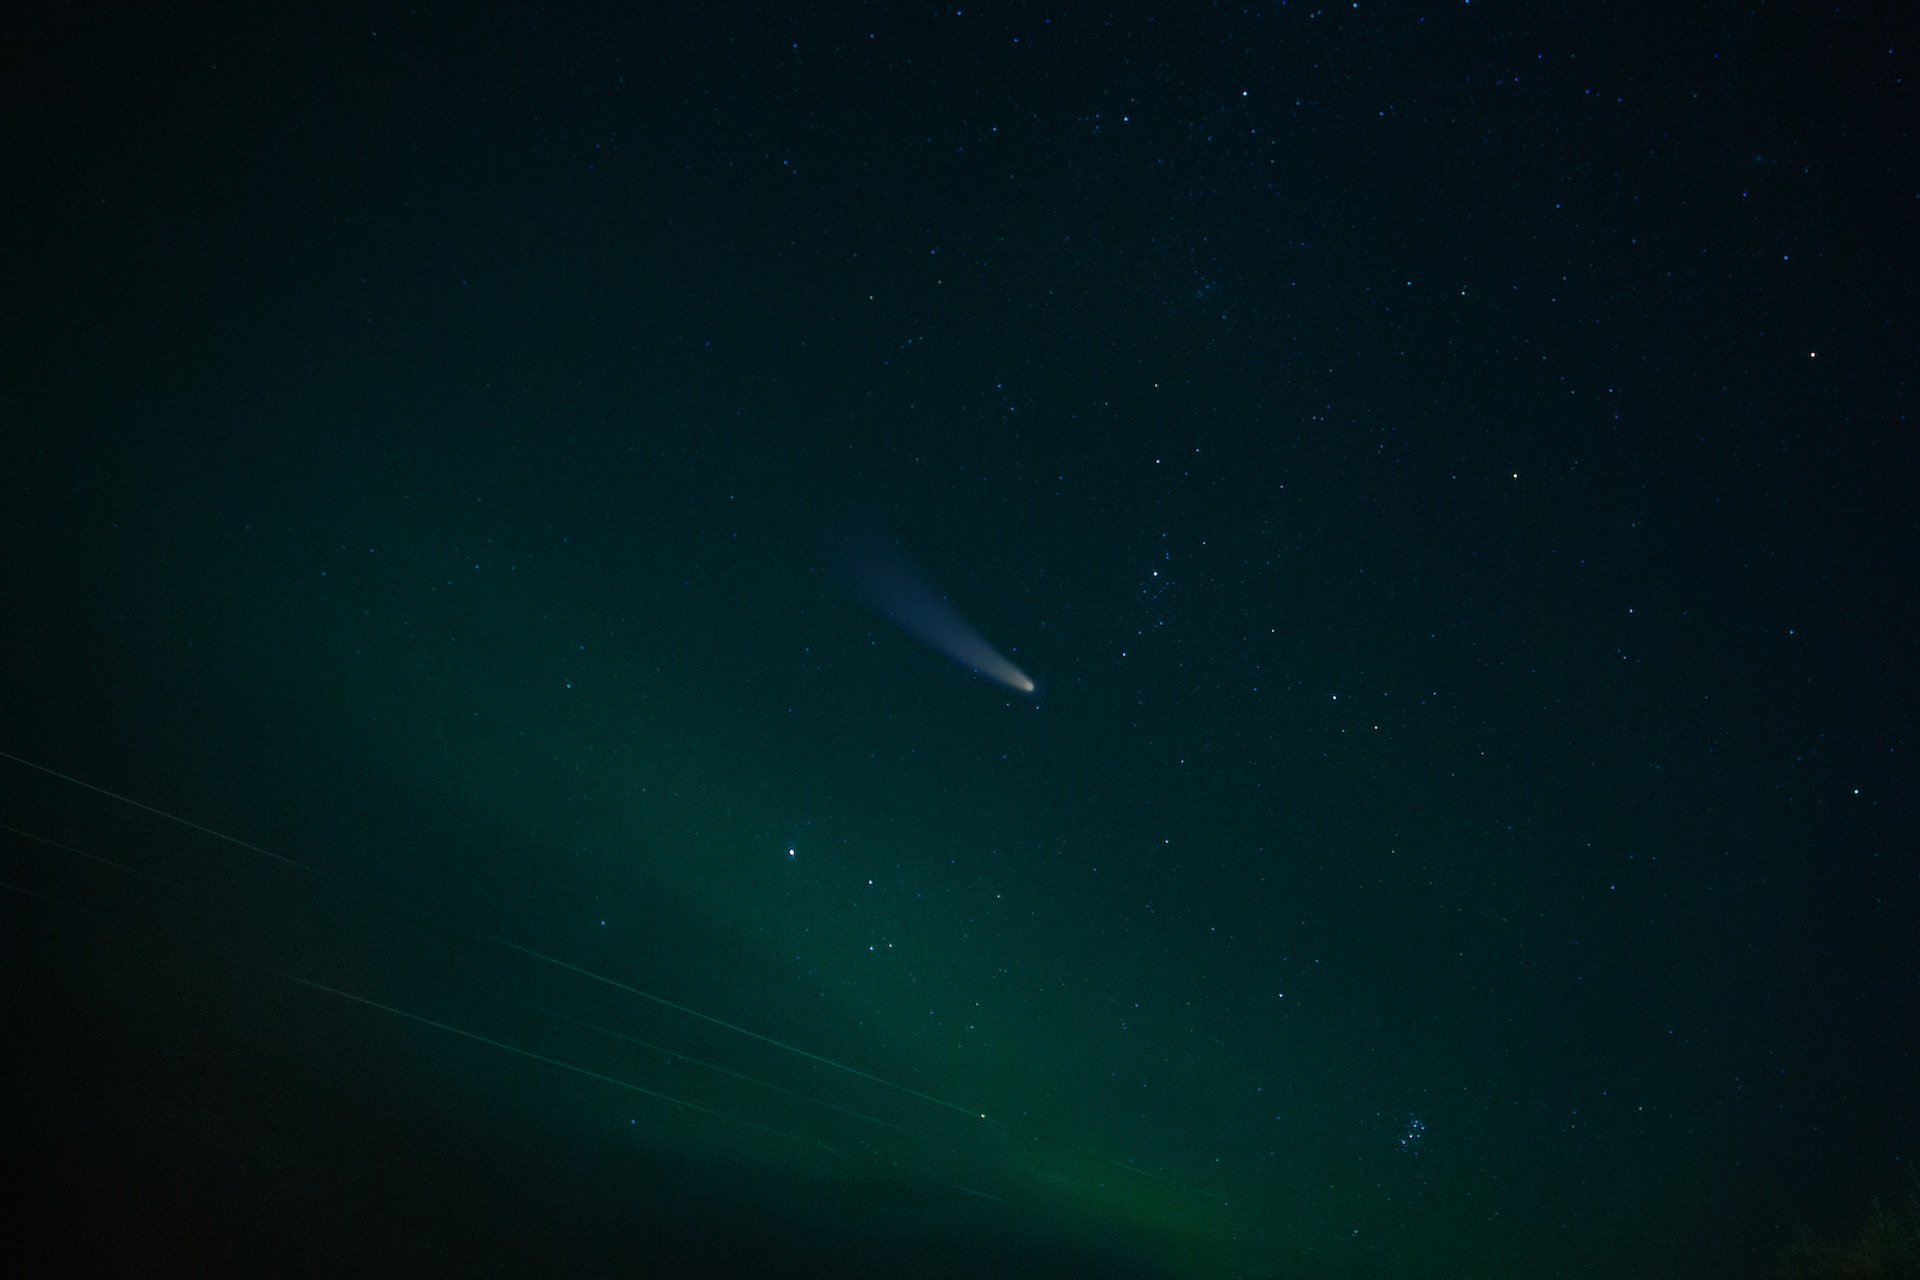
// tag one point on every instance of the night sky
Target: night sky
(1446, 470)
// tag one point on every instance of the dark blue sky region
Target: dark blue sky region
(1370, 737)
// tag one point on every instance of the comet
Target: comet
(887, 582)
